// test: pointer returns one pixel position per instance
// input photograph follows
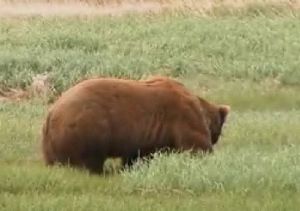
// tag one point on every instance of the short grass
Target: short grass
(249, 62)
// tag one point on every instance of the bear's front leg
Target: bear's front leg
(194, 142)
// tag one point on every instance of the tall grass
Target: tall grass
(258, 152)
(207, 6)
(243, 170)
(255, 166)
(253, 49)
(92, 8)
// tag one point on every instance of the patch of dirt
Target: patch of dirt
(13, 95)
(40, 87)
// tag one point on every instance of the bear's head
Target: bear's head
(215, 117)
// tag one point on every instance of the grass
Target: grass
(255, 166)
(247, 60)
(227, 48)
(251, 170)
(210, 7)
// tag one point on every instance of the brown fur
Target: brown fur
(101, 118)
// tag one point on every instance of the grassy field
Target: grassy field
(248, 60)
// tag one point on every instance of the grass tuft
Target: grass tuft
(246, 170)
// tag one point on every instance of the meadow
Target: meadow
(247, 58)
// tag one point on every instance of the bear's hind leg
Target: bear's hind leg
(127, 162)
(93, 160)
(94, 165)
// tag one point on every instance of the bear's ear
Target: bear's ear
(224, 110)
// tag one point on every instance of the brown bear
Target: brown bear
(104, 117)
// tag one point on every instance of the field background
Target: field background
(241, 53)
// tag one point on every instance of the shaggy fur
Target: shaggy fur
(101, 118)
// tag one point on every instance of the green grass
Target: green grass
(249, 62)
(232, 48)
(255, 166)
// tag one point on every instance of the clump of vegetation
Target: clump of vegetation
(133, 46)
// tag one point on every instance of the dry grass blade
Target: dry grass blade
(12, 8)
(76, 9)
